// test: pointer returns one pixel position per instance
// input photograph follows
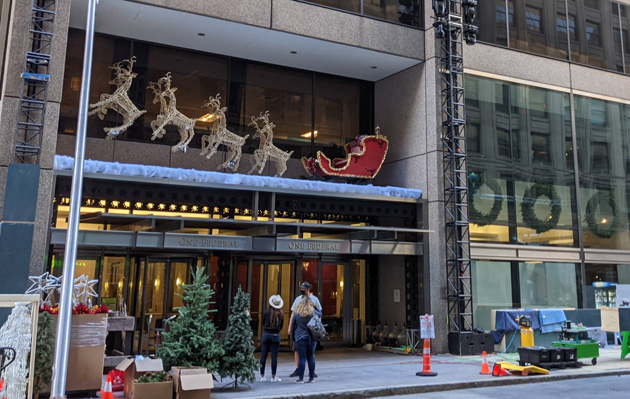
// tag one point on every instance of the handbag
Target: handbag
(316, 328)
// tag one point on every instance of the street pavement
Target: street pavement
(354, 373)
(597, 387)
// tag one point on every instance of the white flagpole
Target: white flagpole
(60, 365)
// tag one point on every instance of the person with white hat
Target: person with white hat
(273, 320)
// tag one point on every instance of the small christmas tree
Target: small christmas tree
(43, 353)
(239, 361)
(190, 340)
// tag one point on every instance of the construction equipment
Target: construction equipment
(577, 337)
(527, 333)
(522, 370)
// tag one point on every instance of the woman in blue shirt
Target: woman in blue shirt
(302, 337)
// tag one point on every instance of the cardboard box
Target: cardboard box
(86, 356)
(85, 368)
(134, 369)
(192, 382)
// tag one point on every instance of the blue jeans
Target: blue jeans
(306, 353)
(269, 341)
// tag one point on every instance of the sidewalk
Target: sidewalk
(353, 373)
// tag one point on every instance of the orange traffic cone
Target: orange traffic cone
(106, 392)
(499, 371)
(426, 360)
(485, 369)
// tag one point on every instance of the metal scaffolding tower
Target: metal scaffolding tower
(451, 26)
(35, 78)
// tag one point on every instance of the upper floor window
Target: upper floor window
(533, 18)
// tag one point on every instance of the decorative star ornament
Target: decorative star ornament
(84, 290)
(44, 286)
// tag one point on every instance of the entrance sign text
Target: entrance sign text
(207, 242)
(306, 245)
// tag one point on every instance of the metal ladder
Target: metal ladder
(32, 112)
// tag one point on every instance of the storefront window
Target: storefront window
(603, 135)
(545, 285)
(492, 289)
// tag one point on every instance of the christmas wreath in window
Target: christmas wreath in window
(476, 182)
(604, 228)
(530, 197)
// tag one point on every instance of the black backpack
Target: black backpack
(316, 328)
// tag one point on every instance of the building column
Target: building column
(26, 190)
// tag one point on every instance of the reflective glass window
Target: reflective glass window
(348, 5)
(624, 12)
(521, 172)
(286, 95)
(404, 11)
(539, 26)
(337, 105)
(491, 19)
(492, 289)
(548, 285)
(408, 12)
(603, 152)
(594, 27)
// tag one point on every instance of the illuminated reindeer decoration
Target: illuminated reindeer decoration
(219, 134)
(165, 95)
(119, 101)
(266, 149)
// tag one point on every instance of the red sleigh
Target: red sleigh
(365, 156)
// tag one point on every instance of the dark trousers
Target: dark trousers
(269, 341)
(305, 350)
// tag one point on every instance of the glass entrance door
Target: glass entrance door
(261, 279)
(158, 283)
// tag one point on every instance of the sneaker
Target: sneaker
(263, 379)
(314, 375)
(275, 379)
(311, 380)
(294, 374)
(299, 382)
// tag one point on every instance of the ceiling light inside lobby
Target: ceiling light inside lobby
(308, 134)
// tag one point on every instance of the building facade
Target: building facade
(548, 138)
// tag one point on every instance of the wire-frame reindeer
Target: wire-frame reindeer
(267, 150)
(169, 114)
(119, 101)
(219, 134)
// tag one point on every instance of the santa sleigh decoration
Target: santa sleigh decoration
(364, 157)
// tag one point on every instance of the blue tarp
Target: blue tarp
(551, 319)
(507, 320)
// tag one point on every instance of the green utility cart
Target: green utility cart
(577, 337)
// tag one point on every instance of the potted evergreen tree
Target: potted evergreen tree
(238, 361)
(190, 340)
